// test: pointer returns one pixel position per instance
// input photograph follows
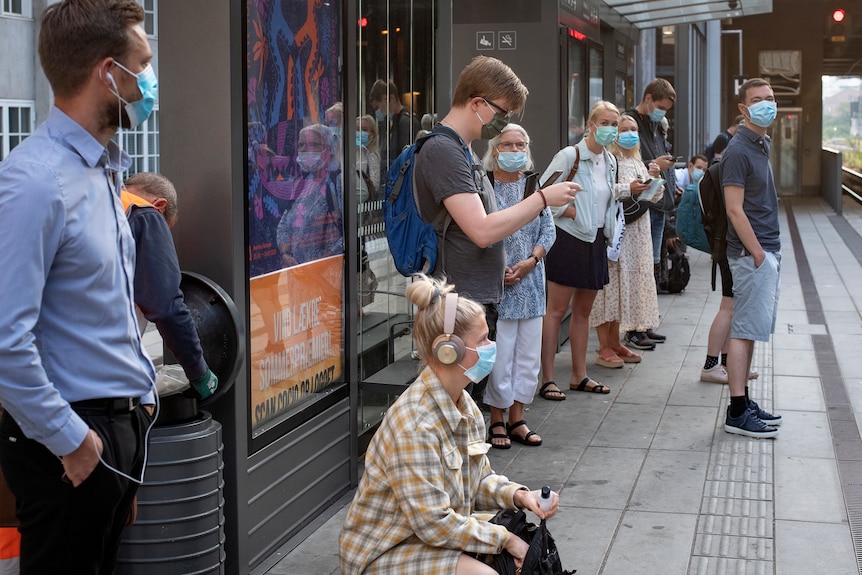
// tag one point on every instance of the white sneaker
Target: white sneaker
(715, 374)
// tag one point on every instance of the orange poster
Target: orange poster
(296, 336)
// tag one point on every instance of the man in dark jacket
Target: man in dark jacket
(397, 126)
(152, 211)
(721, 140)
(658, 97)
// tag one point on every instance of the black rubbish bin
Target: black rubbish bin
(180, 527)
(180, 524)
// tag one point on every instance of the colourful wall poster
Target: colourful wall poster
(294, 170)
(296, 321)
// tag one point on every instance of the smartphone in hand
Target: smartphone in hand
(553, 178)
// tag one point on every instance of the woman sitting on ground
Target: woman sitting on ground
(426, 470)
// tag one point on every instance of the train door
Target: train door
(785, 157)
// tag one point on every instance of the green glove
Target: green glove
(205, 385)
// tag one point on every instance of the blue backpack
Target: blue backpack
(412, 240)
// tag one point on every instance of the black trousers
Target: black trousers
(73, 530)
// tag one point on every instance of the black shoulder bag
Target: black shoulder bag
(542, 557)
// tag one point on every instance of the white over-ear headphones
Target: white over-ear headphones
(449, 348)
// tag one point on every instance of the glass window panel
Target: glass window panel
(296, 196)
(575, 92)
(395, 49)
(597, 70)
(18, 7)
(15, 124)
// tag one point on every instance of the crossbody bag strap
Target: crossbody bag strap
(574, 165)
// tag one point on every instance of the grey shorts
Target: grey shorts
(755, 296)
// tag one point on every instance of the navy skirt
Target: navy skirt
(575, 263)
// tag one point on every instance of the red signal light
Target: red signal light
(838, 15)
(363, 22)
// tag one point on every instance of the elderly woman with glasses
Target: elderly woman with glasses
(519, 325)
(311, 228)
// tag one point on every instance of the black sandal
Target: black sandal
(544, 391)
(492, 436)
(597, 388)
(522, 440)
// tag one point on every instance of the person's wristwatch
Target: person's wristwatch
(537, 258)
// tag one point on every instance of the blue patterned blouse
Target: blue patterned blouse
(526, 298)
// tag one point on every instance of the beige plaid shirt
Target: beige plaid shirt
(426, 473)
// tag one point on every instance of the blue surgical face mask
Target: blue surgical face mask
(605, 135)
(362, 138)
(512, 161)
(309, 161)
(487, 356)
(139, 110)
(379, 115)
(629, 140)
(763, 113)
(657, 114)
(336, 131)
(696, 175)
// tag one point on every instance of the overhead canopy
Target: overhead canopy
(656, 13)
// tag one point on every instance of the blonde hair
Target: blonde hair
(489, 162)
(491, 79)
(373, 146)
(615, 148)
(429, 296)
(599, 107)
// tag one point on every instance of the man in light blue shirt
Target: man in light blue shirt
(73, 373)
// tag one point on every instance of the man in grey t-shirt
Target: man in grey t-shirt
(487, 95)
(753, 253)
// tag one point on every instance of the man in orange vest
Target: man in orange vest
(150, 202)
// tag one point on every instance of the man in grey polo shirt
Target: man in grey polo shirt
(753, 252)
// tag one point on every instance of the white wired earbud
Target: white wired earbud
(140, 480)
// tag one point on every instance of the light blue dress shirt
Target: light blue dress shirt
(68, 330)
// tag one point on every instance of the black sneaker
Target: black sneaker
(656, 337)
(748, 424)
(639, 340)
(764, 416)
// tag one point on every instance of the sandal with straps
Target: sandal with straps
(596, 388)
(545, 393)
(608, 358)
(492, 436)
(522, 440)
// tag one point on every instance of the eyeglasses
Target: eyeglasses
(512, 146)
(506, 113)
(310, 146)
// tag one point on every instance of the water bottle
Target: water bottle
(545, 499)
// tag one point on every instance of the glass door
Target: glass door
(786, 133)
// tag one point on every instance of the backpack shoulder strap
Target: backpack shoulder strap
(575, 165)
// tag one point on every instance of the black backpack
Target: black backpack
(713, 214)
(680, 272)
(542, 557)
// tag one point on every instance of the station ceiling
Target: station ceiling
(656, 13)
